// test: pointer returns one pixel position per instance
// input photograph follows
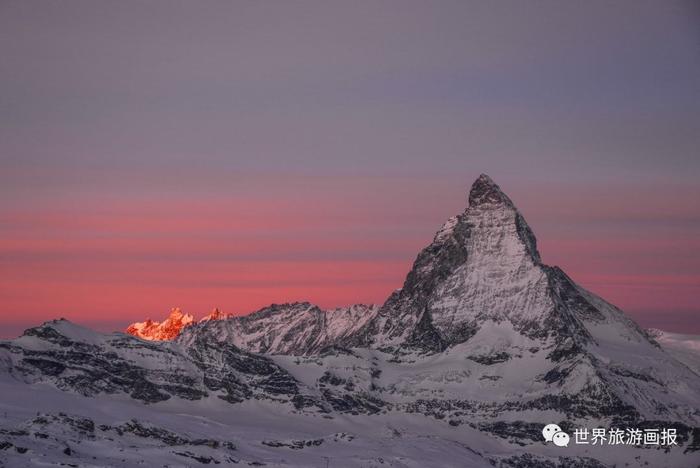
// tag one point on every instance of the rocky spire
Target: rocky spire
(486, 195)
(485, 191)
(165, 330)
(490, 236)
(216, 314)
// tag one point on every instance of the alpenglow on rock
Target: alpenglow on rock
(168, 329)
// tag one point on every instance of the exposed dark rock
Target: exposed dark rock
(488, 360)
(46, 366)
(293, 444)
(518, 432)
(424, 337)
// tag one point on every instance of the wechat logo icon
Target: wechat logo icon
(553, 433)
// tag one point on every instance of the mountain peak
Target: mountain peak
(216, 314)
(485, 196)
(165, 330)
(473, 253)
(485, 191)
(177, 314)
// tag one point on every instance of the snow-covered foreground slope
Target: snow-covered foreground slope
(70, 394)
(44, 427)
(463, 366)
(56, 428)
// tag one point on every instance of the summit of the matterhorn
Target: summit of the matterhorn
(485, 190)
(160, 331)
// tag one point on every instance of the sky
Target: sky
(236, 154)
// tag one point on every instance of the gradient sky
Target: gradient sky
(234, 154)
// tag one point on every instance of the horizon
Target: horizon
(238, 155)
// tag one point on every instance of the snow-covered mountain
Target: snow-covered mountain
(298, 328)
(292, 328)
(531, 336)
(481, 347)
(172, 326)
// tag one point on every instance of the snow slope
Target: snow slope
(685, 348)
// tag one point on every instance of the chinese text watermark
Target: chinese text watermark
(613, 436)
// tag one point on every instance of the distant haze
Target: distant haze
(235, 154)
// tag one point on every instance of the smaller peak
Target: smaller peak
(176, 314)
(485, 191)
(168, 329)
(52, 322)
(59, 330)
(304, 306)
(216, 314)
(57, 321)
